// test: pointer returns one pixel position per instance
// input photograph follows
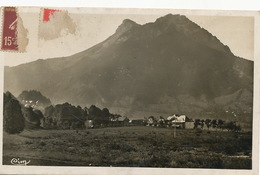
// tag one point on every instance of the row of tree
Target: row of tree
(198, 123)
(18, 116)
(66, 116)
(221, 124)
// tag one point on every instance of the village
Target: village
(70, 117)
(91, 136)
(174, 121)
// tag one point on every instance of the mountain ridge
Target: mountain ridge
(140, 64)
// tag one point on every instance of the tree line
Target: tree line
(198, 123)
(214, 123)
(66, 116)
(18, 116)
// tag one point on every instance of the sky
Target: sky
(91, 26)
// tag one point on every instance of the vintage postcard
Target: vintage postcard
(129, 91)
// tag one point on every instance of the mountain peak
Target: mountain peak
(179, 22)
(129, 21)
(172, 19)
(126, 25)
(171, 16)
(185, 26)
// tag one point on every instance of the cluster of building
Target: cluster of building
(178, 121)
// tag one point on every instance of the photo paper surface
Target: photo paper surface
(129, 90)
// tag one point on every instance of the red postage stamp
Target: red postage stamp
(9, 29)
(55, 24)
(47, 13)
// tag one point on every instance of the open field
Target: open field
(131, 147)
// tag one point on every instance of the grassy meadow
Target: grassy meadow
(134, 146)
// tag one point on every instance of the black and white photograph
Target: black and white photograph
(111, 87)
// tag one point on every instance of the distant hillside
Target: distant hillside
(169, 66)
(34, 99)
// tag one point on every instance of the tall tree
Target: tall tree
(196, 123)
(13, 118)
(220, 123)
(208, 123)
(202, 123)
(214, 123)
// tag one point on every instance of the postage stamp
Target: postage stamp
(47, 13)
(129, 91)
(14, 35)
(54, 24)
(9, 32)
